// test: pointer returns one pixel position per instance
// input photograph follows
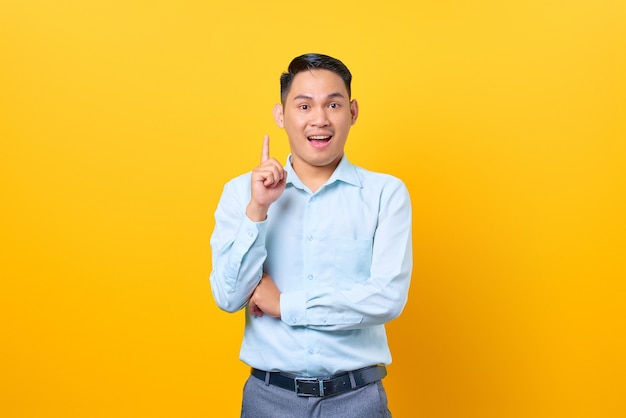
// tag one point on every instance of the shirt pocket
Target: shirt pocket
(352, 260)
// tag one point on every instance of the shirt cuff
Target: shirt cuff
(293, 308)
(251, 232)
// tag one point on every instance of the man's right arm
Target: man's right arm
(238, 248)
(238, 240)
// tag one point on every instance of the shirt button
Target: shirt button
(294, 319)
(309, 237)
(310, 277)
(311, 352)
(250, 234)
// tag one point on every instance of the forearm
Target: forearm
(233, 280)
(375, 302)
(238, 254)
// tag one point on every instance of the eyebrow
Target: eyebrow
(330, 96)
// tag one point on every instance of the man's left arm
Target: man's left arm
(378, 299)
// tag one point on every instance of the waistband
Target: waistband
(322, 386)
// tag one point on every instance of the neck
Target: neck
(314, 177)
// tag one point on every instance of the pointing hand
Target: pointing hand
(268, 183)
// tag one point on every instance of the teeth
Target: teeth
(319, 137)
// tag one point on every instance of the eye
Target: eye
(334, 105)
(303, 107)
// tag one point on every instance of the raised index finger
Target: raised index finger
(265, 153)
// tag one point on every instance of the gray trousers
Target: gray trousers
(267, 401)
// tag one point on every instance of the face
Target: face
(317, 116)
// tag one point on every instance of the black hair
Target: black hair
(308, 62)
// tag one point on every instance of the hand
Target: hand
(268, 183)
(265, 298)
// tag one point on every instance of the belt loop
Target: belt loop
(352, 380)
(267, 378)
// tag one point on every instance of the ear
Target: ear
(278, 115)
(354, 110)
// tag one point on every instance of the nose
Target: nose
(319, 117)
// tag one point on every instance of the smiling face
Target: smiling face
(317, 115)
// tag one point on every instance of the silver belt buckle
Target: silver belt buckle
(311, 382)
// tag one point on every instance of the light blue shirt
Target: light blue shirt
(341, 258)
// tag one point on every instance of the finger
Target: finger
(267, 177)
(257, 311)
(265, 153)
(272, 174)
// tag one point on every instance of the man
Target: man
(319, 253)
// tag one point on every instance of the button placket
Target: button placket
(310, 269)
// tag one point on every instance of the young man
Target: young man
(319, 254)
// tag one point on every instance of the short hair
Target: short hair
(308, 62)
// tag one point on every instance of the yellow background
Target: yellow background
(121, 120)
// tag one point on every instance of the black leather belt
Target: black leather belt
(322, 386)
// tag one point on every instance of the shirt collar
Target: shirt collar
(345, 172)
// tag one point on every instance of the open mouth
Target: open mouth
(319, 140)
